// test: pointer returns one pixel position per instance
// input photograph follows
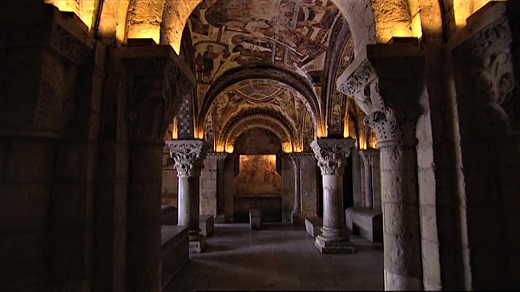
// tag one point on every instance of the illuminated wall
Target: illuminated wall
(257, 176)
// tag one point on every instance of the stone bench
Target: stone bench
(168, 215)
(174, 251)
(255, 219)
(365, 222)
(313, 225)
(206, 225)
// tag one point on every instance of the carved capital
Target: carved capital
(188, 156)
(219, 156)
(332, 154)
(156, 81)
(385, 81)
(39, 73)
(356, 77)
(296, 157)
(369, 156)
(486, 55)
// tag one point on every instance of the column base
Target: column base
(334, 245)
(296, 218)
(198, 243)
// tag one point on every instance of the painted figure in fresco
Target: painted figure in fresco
(205, 63)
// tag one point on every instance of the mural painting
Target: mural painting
(257, 176)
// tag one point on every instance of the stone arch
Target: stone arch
(260, 119)
(263, 72)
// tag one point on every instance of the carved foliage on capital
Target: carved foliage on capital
(355, 83)
(332, 154)
(369, 156)
(156, 85)
(489, 59)
(375, 97)
(188, 156)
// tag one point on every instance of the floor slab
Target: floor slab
(280, 257)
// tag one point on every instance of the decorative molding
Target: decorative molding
(332, 154)
(188, 156)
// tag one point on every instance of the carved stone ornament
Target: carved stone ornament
(369, 156)
(188, 156)
(219, 156)
(387, 94)
(332, 154)
(491, 57)
(354, 80)
(39, 70)
(157, 81)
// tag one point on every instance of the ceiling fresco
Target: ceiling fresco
(294, 35)
(276, 98)
(289, 33)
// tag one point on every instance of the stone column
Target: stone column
(486, 75)
(150, 74)
(332, 157)
(189, 156)
(37, 95)
(389, 96)
(297, 207)
(368, 157)
(220, 157)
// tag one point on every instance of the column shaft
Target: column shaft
(368, 185)
(189, 156)
(333, 209)
(332, 157)
(400, 218)
(296, 212)
(184, 206)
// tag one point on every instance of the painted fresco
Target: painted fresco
(230, 33)
(294, 34)
(268, 94)
(257, 176)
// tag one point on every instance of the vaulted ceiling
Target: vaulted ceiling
(269, 64)
(266, 62)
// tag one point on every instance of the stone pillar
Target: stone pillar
(209, 180)
(37, 95)
(389, 93)
(332, 157)
(150, 74)
(189, 156)
(368, 157)
(220, 157)
(297, 207)
(485, 96)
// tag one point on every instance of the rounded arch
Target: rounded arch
(263, 72)
(277, 124)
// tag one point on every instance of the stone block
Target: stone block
(365, 222)
(207, 225)
(256, 219)
(175, 251)
(169, 215)
(313, 225)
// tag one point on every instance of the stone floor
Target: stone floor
(280, 257)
